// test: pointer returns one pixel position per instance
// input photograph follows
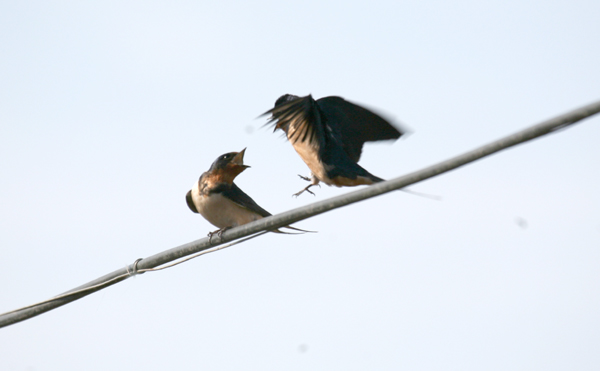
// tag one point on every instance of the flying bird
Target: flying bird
(220, 201)
(329, 134)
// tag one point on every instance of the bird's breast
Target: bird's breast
(310, 155)
(221, 211)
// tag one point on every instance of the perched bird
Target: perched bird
(216, 197)
(329, 134)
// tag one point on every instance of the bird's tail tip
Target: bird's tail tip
(301, 231)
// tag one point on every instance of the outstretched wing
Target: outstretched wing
(355, 124)
(299, 117)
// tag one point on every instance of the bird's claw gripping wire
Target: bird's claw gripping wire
(218, 232)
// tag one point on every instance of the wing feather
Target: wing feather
(240, 198)
(300, 117)
(356, 124)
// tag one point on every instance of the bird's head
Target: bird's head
(285, 98)
(282, 109)
(229, 165)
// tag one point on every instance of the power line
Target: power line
(204, 245)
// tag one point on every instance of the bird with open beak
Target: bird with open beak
(220, 201)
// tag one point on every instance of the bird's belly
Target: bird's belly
(309, 155)
(222, 212)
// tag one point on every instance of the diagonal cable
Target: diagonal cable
(301, 213)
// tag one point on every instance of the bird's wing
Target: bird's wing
(355, 124)
(190, 202)
(236, 195)
(302, 117)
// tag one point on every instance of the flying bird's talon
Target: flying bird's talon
(305, 178)
(305, 189)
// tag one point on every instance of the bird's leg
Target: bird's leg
(305, 178)
(314, 181)
(218, 232)
(210, 236)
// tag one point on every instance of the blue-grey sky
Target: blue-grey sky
(109, 112)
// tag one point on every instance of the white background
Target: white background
(109, 112)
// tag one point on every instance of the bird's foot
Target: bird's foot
(218, 232)
(306, 189)
(305, 178)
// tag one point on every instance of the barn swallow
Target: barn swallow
(216, 197)
(329, 134)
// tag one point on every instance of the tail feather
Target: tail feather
(302, 231)
(433, 197)
(376, 179)
(298, 229)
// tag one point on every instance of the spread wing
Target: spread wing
(235, 194)
(299, 117)
(355, 124)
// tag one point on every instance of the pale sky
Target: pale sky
(110, 111)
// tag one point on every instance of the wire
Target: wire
(134, 271)
(261, 226)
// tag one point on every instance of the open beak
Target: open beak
(239, 159)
